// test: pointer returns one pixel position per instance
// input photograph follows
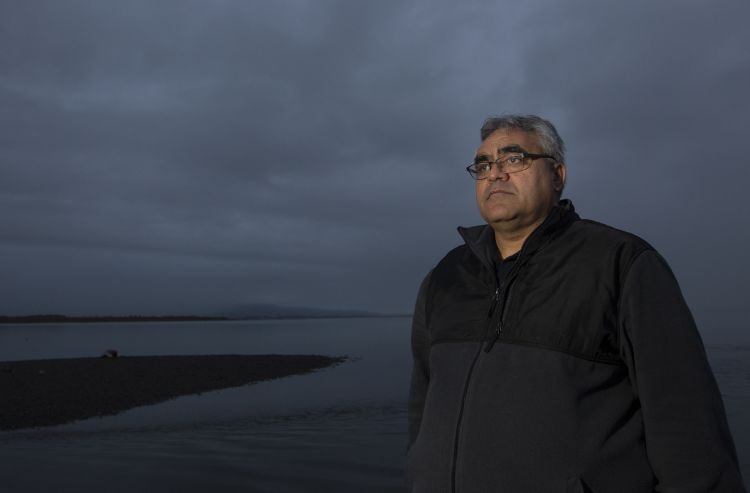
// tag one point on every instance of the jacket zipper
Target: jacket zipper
(498, 327)
(493, 303)
(492, 311)
(488, 346)
(500, 321)
(508, 295)
(460, 418)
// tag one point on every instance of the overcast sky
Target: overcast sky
(177, 156)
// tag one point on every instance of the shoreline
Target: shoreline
(50, 392)
(57, 320)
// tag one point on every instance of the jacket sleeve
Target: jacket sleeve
(420, 375)
(687, 437)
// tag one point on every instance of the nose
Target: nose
(496, 173)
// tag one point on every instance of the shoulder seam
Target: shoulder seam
(612, 228)
(635, 257)
(516, 342)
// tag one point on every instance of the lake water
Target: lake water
(339, 429)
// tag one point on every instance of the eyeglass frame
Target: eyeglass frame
(525, 155)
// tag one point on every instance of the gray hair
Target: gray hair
(549, 139)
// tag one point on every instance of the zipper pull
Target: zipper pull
(495, 298)
(491, 342)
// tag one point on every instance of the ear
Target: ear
(558, 176)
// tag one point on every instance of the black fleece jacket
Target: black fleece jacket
(582, 371)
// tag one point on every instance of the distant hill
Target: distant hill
(53, 319)
(266, 311)
(249, 311)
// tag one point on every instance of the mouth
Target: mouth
(498, 191)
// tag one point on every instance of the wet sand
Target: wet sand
(56, 391)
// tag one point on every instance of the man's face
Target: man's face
(517, 199)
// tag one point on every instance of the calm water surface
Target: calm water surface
(339, 429)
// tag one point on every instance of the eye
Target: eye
(514, 159)
(482, 167)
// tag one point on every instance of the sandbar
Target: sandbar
(56, 391)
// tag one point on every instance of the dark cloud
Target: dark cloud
(650, 99)
(181, 155)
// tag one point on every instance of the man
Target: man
(556, 354)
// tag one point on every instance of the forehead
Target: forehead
(503, 138)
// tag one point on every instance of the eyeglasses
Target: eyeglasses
(508, 163)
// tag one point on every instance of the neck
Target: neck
(511, 242)
(510, 236)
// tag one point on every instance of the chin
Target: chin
(497, 214)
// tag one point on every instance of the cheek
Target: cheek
(479, 191)
(540, 183)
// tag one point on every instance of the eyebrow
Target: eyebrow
(512, 148)
(483, 158)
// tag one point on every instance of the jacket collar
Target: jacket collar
(481, 239)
